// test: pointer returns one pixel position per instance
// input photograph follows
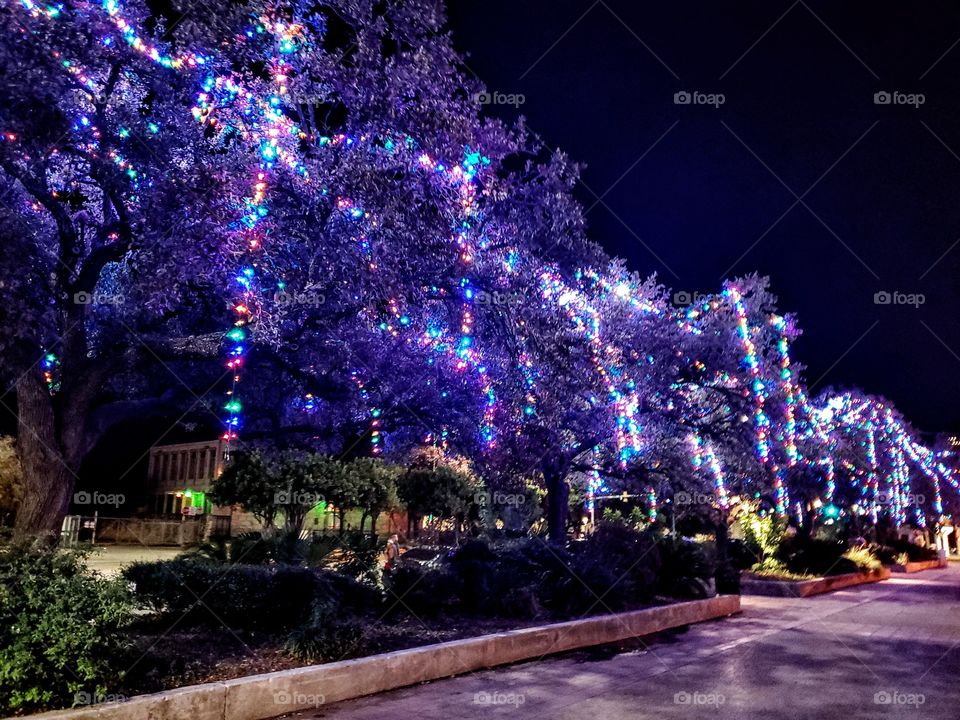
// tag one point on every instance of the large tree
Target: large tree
(110, 225)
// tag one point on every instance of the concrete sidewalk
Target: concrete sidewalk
(889, 650)
(110, 559)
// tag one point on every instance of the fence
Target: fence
(181, 532)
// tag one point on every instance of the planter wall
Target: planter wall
(753, 585)
(265, 696)
(918, 566)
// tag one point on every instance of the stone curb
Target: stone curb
(918, 566)
(258, 697)
(806, 588)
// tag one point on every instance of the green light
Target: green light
(237, 334)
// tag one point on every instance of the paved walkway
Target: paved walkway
(110, 559)
(888, 650)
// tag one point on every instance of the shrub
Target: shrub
(424, 592)
(815, 557)
(740, 554)
(511, 578)
(59, 628)
(328, 636)
(728, 579)
(687, 568)
(863, 558)
(240, 596)
(890, 551)
(352, 553)
(614, 568)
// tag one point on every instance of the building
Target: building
(181, 475)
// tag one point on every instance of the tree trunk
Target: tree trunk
(723, 536)
(558, 495)
(49, 472)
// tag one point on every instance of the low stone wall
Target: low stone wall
(918, 566)
(265, 696)
(752, 585)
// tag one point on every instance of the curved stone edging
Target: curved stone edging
(259, 697)
(806, 588)
(918, 566)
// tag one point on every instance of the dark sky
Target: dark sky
(799, 174)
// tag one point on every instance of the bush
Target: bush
(687, 568)
(616, 567)
(815, 557)
(59, 629)
(740, 554)
(328, 636)
(253, 597)
(863, 558)
(890, 551)
(424, 592)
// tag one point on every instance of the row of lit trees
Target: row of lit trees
(399, 269)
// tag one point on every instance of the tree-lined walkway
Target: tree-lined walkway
(885, 650)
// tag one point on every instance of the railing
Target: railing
(78, 529)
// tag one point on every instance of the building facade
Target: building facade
(181, 475)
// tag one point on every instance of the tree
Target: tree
(437, 489)
(289, 483)
(11, 480)
(251, 481)
(109, 235)
(375, 482)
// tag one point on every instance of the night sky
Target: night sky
(799, 174)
